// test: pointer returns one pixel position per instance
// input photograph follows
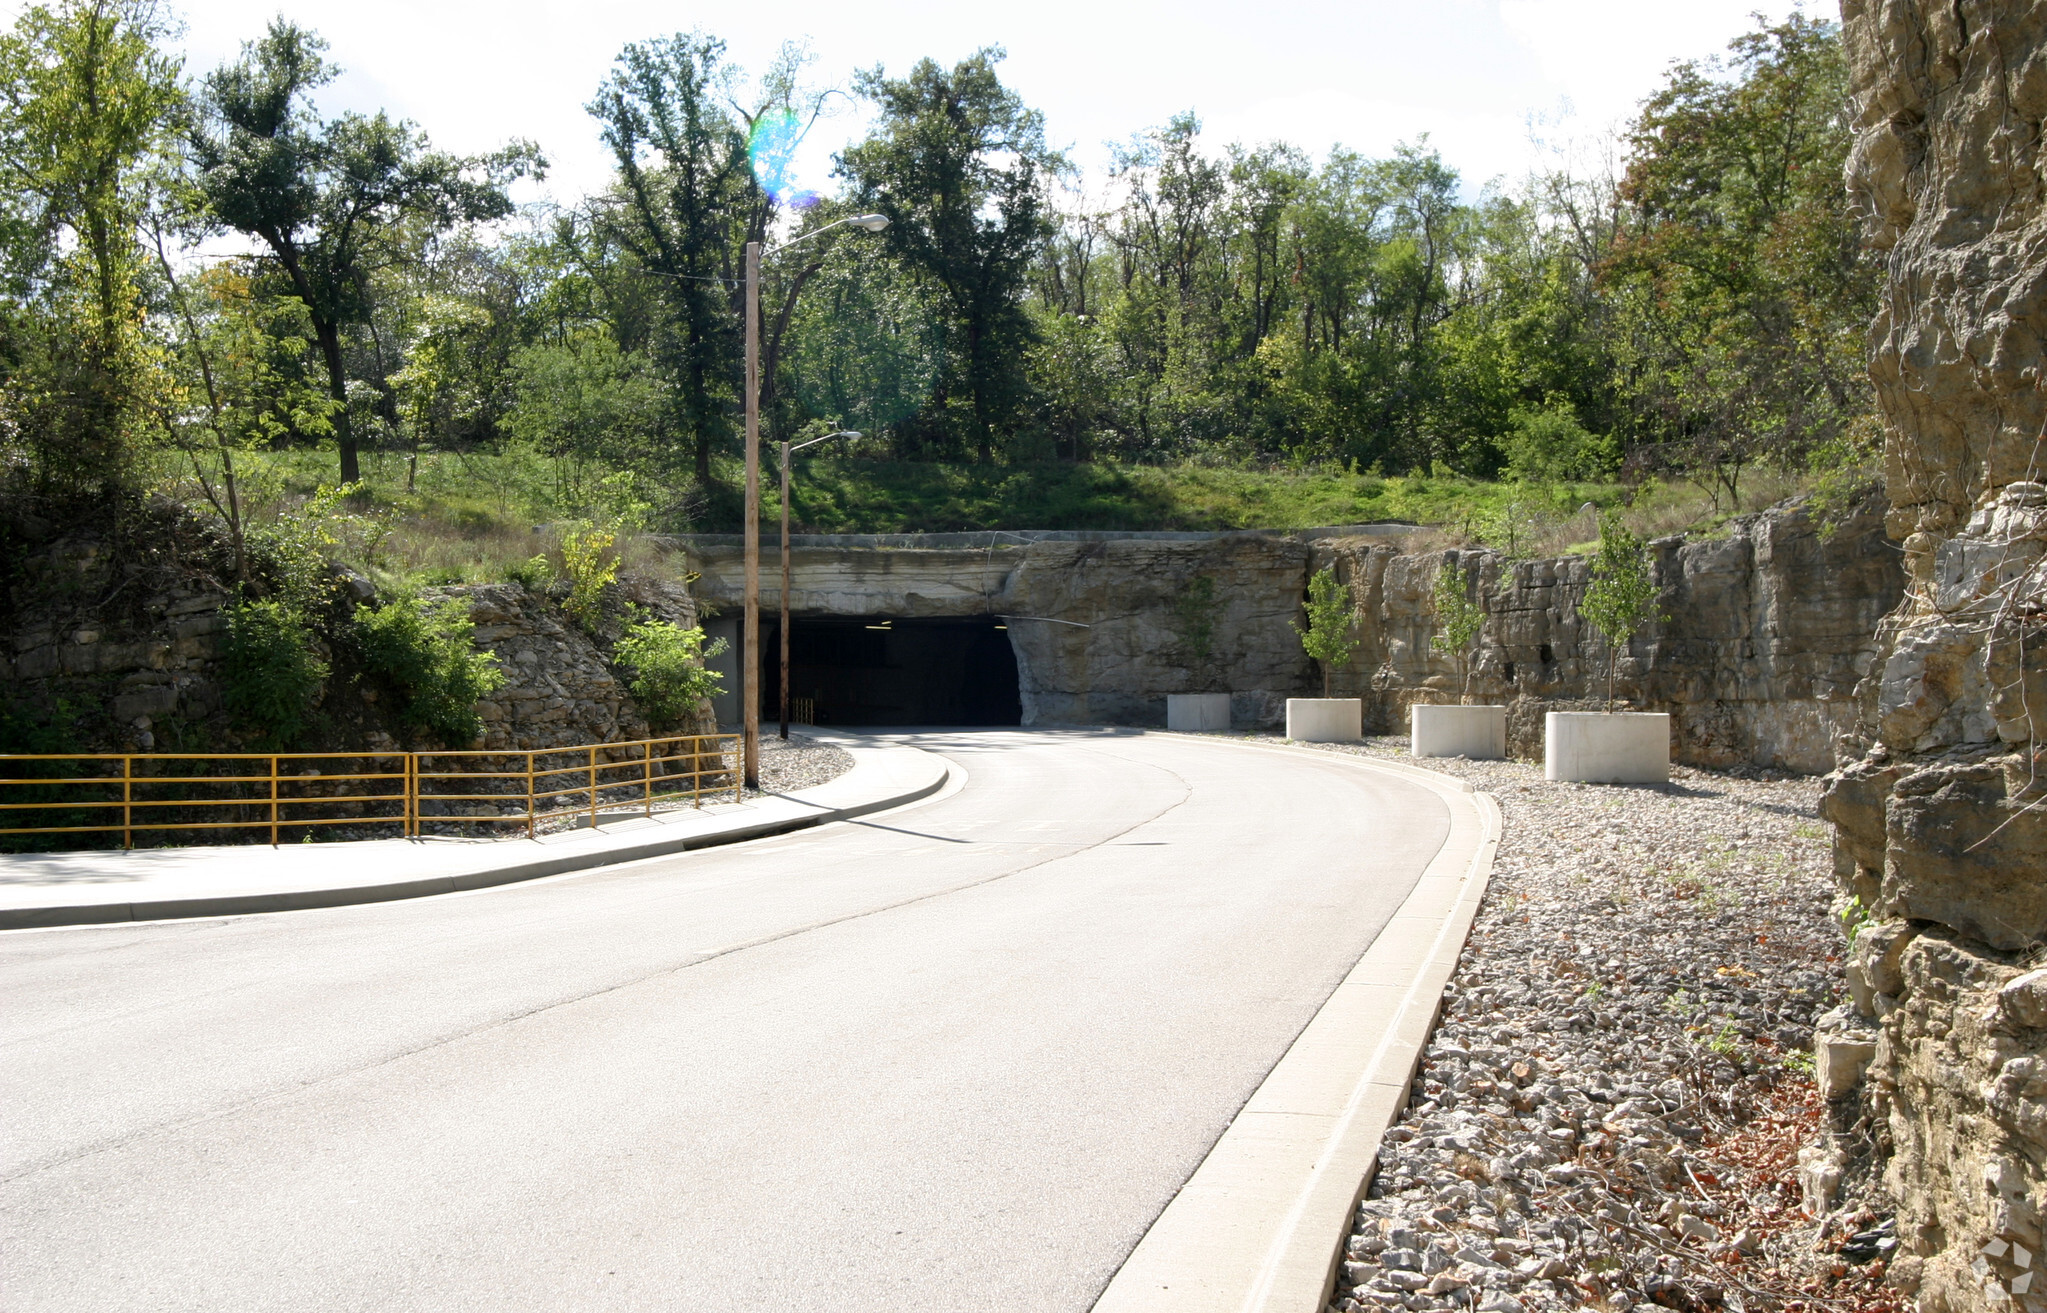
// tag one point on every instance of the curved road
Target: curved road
(956, 1056)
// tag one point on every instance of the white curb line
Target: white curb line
(1260, 1226)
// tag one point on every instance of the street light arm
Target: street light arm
(843, 433)
(873, 223)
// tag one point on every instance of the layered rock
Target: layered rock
(560, 688)
(111, 645)
(1941, 843)
(1769, 627)
(1766, 634)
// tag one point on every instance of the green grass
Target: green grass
(477, 518)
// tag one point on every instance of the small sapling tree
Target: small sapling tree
(1621, 599)
(1458, 621)
(1194, 617)
(1331, 636)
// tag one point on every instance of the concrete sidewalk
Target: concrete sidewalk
(88, 888)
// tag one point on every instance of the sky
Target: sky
(1366, 74)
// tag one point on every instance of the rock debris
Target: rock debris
(1610, 1111)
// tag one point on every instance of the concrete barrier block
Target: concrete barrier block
(1325, 720)
(1198, 713)
(1479, 733)
(1596, 747)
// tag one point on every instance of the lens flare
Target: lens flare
(771, 146)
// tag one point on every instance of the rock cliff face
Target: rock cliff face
(111, 647)
(1941, 841)
(1770, 627)
(1767, 633)
(560, 689)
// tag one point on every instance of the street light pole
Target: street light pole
(786, 449)
(750, 681)
(750, 631)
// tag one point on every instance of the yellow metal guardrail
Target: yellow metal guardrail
(298, 792)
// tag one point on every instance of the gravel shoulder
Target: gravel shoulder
(800, 763)
(1610, 1111)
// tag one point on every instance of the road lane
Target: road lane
(953, 1056)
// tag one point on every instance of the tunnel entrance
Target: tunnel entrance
(894, 672)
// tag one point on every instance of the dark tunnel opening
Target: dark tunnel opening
(881, 671)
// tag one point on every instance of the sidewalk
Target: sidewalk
(88, 888)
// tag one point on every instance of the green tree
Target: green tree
(1620, 600)
(1331, 635)
(688, 202)
(88, 106)
(1460, 618)
(1741, 289)
(330, 199)
(957, 163)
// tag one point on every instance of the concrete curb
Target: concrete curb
(838, 800)
(1260, 1226)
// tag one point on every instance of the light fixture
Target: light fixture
(873, 223)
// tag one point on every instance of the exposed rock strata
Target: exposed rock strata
(1770, 627)
(113, 648)
(1940, 840)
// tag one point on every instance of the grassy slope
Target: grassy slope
(472, 518)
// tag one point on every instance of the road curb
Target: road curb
(1260, 1226)
(630, 848)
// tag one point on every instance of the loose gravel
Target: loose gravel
(800, 763)
(1611, 1107)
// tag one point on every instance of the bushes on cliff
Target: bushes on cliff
(668, 678)
(424, 653)
(270, 672)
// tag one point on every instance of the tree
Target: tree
(1331, 635)
(1739, 279)
(1620, 601)
(87, 105)
(687, 202)
(327, 199)
(1459, 619)
(957, 163)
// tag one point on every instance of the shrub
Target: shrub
(1331, 636)
(270, 673)
(422, 650)
(583, 556)
(668, 673)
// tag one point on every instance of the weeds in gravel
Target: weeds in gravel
(1609, 1115)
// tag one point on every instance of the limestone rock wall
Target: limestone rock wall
(1770, 626)
(1940, 839)
(560, 688)
(1768, 633)
(111, 645)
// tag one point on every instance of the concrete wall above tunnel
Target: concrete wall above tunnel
(1102, 626)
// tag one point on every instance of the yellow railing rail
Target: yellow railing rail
(294, 793)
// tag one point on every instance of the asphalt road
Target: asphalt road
(953, 1057)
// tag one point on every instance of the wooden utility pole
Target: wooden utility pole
(785, 590)
(750, 680)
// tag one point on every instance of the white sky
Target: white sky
(1363, 73)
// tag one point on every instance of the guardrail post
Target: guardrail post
(409, 765)
(127, 802)
(647, 793)
(738, 776)
(529, 795)
(593, 786)
(273, 802)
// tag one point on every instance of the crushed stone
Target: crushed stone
(1610, 1110)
